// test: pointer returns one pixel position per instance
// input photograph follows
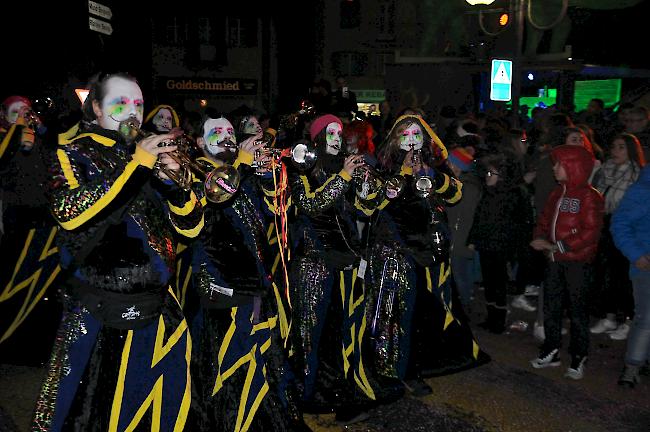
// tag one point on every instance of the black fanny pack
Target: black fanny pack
(119, 310)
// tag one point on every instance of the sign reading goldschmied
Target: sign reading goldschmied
(220, 86)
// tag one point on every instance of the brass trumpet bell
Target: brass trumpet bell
(303, 155)
(221, 183)
(394, 186)
(423, 184)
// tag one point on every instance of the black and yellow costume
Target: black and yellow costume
(122, 354)
(29, 264)
(326, 291)
(238, 363)
(416, 325)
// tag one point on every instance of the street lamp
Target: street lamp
(480, 2)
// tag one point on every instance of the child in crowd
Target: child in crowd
(568, 230)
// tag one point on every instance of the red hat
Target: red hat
(12, 99)
(321, 123)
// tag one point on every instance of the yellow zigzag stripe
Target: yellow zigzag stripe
(155, 396)
(30, 301)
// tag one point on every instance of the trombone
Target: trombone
(219, 183)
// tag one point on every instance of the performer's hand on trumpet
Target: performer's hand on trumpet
(252, 143)
(155, 145)
(352, 162)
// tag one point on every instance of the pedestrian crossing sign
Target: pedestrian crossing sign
(501, 80)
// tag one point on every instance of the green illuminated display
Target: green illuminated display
(609, 90)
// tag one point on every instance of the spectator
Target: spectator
(636, 123)
(344, 100)
(498, 231)
(568, 231)
(461, 217)
(631, 233)
(619, 171)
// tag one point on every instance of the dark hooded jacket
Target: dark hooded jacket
(573, 214)
(504, 214)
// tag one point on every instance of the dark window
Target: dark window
(386, 19)
(350, 14)
(349, 63)
(242, 32)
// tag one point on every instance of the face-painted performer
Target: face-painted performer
(237, 315)
(326, 276)
(161, 119)
(117, 246)
(410, 298)
(26, 227)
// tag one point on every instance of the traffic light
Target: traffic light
(504, 19)
(494, 19)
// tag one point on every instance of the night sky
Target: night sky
(45, 50)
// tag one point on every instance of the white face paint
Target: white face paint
(123, 99)
(252, 126)
(333, 138)
(162, 120)
(13, 110)
(215, 132)
(411, 138)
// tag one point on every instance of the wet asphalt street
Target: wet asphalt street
(505, 395)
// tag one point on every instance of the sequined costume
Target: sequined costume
(29, 263)
(416, 326)
(238, 362)
(122, 353)
(181, 279)
(327, 292)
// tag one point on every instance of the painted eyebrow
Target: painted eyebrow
(119, 100)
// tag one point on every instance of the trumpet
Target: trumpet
(219, 183)
(31, 119)
(302, 154)
(369, 181)
(423, 184)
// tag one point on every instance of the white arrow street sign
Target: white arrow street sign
(99, 9)
(100, 26)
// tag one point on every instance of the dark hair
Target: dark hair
(555, 124)
(390, 152)
(510, 170)
(634, 149)
(599, 102)
(97, 85)
(571, 130)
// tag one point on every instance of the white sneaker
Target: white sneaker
(531, 290)
(577, 369)
(603, 325)
(621, 332)
(521, 302)
(538, 331)
(547, 359)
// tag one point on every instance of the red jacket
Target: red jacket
(573, 215)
